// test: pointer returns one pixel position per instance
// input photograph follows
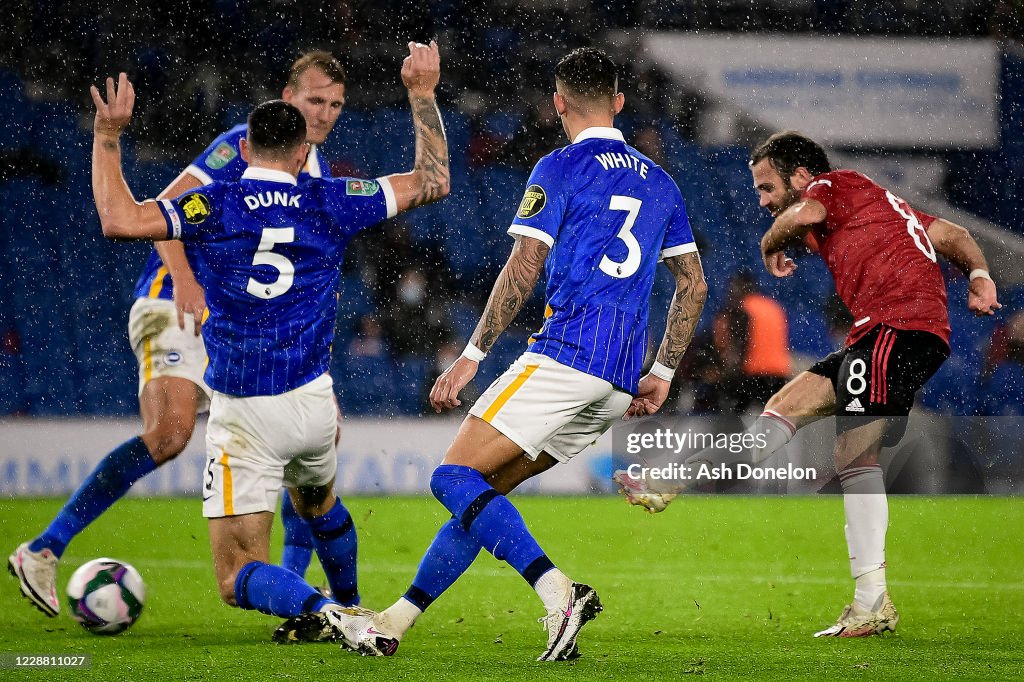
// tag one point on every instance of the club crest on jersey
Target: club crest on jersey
(533, 203)
(362, 188)
(196, 208)
(221, 156)
(173, 357)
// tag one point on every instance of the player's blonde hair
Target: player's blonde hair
(320, 59)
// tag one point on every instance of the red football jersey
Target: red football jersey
(878, 251)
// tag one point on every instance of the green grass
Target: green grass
(730, 588)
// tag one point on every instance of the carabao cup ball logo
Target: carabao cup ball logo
(533, 202)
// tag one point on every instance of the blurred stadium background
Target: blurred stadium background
(413, 288)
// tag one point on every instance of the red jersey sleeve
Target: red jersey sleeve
(819, 189)
(925, 218)
(822, 189)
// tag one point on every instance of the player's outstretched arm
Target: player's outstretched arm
(957, 245)
(189, 296)
(683, 314)
(514, 285)
(430, 178)
(121, 217)
(790, 227)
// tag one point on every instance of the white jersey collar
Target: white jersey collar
(268, 174)
(600, 132)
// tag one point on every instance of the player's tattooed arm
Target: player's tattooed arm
(957, 245)
(683, 314)
(430, 178)
(431, 151)
(686, 307)
(513, 286)
(121, 217)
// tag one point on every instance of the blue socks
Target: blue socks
(107, 483)
(275, 591)
(449, 556)
(490, 519)
(298, 542)
(334, 537)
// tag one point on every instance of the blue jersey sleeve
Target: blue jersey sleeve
(357, 204)
(542, 209)
(189, 215)
(222, 160)
(679, 236)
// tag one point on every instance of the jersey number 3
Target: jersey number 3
(629, 266)
(271, 237)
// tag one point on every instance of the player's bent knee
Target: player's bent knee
(446, 479)
(167, 441)
(227, 590)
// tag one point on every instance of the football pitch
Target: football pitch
(723, 587)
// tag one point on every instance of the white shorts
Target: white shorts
(255, 445)
(544, 406)
(163, 349)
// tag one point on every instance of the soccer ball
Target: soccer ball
(106, 596)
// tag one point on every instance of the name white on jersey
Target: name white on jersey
(612, 160)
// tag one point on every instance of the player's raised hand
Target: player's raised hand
(190, 298)
(650, 396)
(113, 115)
(421, 70)
(779, 264)
(445, 394)
(981, 297)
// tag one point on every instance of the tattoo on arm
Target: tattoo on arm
(431, 151)
(110, 145)
(513, 286)
(687, 304)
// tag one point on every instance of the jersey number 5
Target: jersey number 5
(914, 226)
(271, 237)
(632, 263)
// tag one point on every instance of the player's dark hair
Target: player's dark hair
(320, 59)
(790, 150)
(588, 73)
(276, 128)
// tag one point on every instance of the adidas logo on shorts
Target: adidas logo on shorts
(855, 406)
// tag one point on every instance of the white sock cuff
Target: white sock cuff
(867, 479)
(775, 416)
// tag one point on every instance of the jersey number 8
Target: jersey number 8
(914, 226)
(271, 237)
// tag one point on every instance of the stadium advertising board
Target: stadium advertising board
(848, 91)
(41, 457)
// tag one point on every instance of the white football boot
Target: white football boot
(37, 573)
(857, 621)
(351, 626)
(639, 493)
(563, 625)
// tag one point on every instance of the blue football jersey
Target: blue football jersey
(268, 254)
(222, 161)
(609, 214)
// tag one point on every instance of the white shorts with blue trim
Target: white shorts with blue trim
(544, 406)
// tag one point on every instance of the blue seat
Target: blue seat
(364, 384)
